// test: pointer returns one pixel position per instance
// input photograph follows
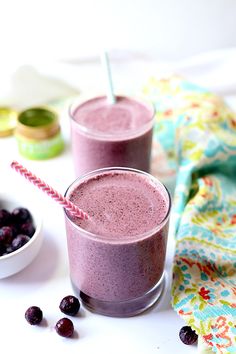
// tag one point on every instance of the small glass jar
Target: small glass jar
(38, 134)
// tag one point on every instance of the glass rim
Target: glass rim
(117, 137)
(136, 238)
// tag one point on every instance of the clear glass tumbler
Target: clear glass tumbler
(117, 257)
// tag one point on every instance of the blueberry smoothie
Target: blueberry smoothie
(117, 257)
(106, 135)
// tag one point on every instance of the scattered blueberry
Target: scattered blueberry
(5, 217)
(19, 241)
(21, 215)
(187, 335)
(34, 315)
(70, 305)
(65, 327)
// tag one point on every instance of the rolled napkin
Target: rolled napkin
(197, 131)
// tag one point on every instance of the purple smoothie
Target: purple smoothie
(106, 135)
(117, 256)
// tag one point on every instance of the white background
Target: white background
(167, 29)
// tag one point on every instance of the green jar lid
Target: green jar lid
(37, 123)
(37, 117)
(8, 120)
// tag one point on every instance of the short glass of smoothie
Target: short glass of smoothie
(117, 256)
(106, 135)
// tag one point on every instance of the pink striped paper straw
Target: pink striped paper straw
(70, 207)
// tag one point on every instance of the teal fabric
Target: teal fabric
(197, 132)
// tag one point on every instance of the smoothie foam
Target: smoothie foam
(114, 120)
(121, 206)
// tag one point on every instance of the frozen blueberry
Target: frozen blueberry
(15, 230)
(5, 217)
(27, 229)
(2, 249)
(65, 327)
(6, 235)
(34, 315)
(19, 241)
(187, 335)
(9, 250)
(21, 215)
(70, 305)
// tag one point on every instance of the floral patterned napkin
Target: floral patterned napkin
(197, 134)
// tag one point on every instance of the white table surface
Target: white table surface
(46, 280)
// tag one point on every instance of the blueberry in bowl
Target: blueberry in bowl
(20, 235)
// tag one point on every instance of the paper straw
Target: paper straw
(70, 207)
(106, 65)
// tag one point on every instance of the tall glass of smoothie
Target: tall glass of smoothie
(106, 135)
(117, 257)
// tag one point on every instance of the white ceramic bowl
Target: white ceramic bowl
(16, 261)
